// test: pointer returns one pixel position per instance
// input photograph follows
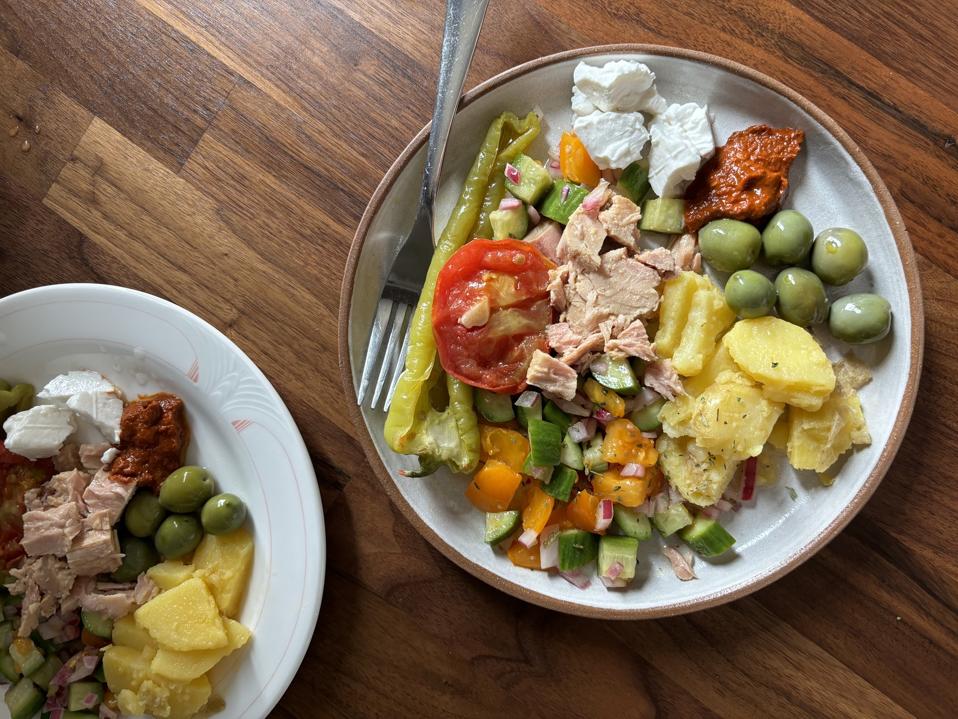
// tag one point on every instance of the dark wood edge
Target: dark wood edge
(905, 251)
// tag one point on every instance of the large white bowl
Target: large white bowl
(832, 183)
(241, 431)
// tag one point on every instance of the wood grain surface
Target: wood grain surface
(220, 154)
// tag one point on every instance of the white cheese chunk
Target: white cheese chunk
(681, 140)
(580, 103)
(617, 86)
(39, 431)
(613, 139)
(109, 455)
(59, 389)
(102, 409)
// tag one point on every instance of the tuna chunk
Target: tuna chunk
(115, 603)
(620, 221)
(622, 289)
(144, 590)
(95, 550)
(67, 458)
(661, 377)
(62, 488)
(51, 531)
(106, 494)
(42, 581)
(659, 259)
(90, 455)
(584, 234)
(551, 375)
(570, 346)
(80, 588)
(545, 237)
(685, 250)
(557, 281)
(633, 341)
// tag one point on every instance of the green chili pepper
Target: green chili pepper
(445, 430)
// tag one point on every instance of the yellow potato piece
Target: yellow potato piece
(784, 358)
(126, 633)
(817, 439)
(709, 316)
(779, 436)
(186, 666)
(184, 618)
(700, 475)
(733, 417)
(720, 362)
(125, 667)
(676, 416)
(186, 699)
(674, 310)
(224, 562)
(170, 573)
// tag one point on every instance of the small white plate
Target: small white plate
(241, 431)
(832, 183)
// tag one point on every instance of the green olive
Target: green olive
(186, 489)
(143, 514)
(178, 535)
(138, 556)
(860, 318)
(730, 245)
(749, 294)
(787, 238)
(838, 255)
(223, 513)
(647, 418)
(801, 297)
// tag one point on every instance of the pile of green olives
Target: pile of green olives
(171, 524)
(835, 257)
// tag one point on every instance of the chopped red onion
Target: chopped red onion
(675, 497)
(527, 399)
(723, 505)
(565, 193)
(107, 713)
(603, 515)
(509, 203)
(642, 399)
(650, 435)
(614, 583)
(582, 430)
(600, 365)
(603, 415)
(633, 469)
(594, 200)
(529, 538)
(661, 502)
(555, 170)
(614, 570)
(549, 547)
(577, 577)
(77, 667)
(534, 216)
(57, 713)
(710, 512)
(572, 408)
(513, 174)
(89, 700)
(543, 474)
(748, 483)
(647, 507)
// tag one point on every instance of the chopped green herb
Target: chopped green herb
(774, 365)
(792, 493)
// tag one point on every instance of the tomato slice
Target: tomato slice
(490, 311)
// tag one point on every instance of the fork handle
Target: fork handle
(463, 21)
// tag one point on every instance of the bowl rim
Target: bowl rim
(275, 687)
(909, 265)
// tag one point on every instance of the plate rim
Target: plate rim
(299, 645)
(906, 254)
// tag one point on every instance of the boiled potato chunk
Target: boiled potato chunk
(224, 561)
(784, 358)
(676, 416)
(170, 573)
(127, 633)
(170, 700)
(126, 667)
(700, 475)
(779, 436)
(186, 666)
(184, 618)
(674, 310)
(709, 316)
(720, 362)
(817, 439)
(187, 698)
(734, 417)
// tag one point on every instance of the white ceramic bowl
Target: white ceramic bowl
(241, 430)
(832, 183)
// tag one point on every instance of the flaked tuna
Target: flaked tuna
(685, 250)
(659, 259)
(584, 234)
(570, 346)
(552, 375)
(661, 377)
(90, 455)
(545, 237)
(51, 531)
(105, 494)
(95, 550)
(633, 341)
(620, 221)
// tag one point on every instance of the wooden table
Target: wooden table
(220, 154)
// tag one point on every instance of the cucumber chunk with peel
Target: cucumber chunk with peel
(529, 181)
(571, 454)
(631, 523)
(24, 699)
(663, 214)
(494, 407)
(500, 525)
(707, 537)
(621, 550)
(615, 373)
(576, 548)
(560, 486)
(545, 441)
(672, 519)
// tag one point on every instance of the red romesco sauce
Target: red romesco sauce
(18, 475)
(153, 440)
(746, 179)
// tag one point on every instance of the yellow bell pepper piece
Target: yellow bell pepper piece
(507, 445)
(625, 444)
(605, 398)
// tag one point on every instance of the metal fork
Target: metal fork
(400, 294)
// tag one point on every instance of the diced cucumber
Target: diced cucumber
(26, 657)
(672, 520)
(6, 635)
(663, 214)
(79, 691)
(615, 373)
(500, 525)
(97, 624)
(509, 223)
(647, 418)
(24, 699)
(100, 673)
(524, 414)
(576, 547)
(551, 413)
(634, 180)
(42, 676)
(560, 486)
(545, 441)
(534, 180)
(542, 473)
(7, 668)
(571, 453)
(631, 523)
(592, 456)
(44, 645)
(494, 407)
(559, 208)
(707, 537)
(623, 550)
